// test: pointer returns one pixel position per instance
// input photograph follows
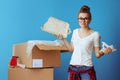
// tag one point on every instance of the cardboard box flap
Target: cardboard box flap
(48, 47)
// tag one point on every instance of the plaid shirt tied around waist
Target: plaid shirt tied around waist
(75, 75)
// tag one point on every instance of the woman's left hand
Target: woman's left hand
(107, 50)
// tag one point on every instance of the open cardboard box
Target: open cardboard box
(30, 74)
(40, 56)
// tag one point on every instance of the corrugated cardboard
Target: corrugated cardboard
(30, 74)
(41, 55)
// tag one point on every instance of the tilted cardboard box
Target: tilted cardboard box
(40, 56)
(30, 74)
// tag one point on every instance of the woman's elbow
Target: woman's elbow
(70, 50)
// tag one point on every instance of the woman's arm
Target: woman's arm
(67, 44)
(98, 51)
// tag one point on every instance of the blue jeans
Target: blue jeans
(84, 76)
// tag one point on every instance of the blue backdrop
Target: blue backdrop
(20, 21)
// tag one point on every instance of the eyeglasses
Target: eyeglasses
(85, 19)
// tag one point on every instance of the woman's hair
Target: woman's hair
(85, 9)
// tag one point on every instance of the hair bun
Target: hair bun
(85, 9)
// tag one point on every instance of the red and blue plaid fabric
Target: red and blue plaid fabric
(75, 75)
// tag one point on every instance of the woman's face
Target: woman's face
(84, 19)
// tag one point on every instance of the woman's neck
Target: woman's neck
(85, 29)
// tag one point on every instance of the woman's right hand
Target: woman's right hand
(60, 36)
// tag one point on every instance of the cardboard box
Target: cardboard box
(40, 56)
(30, 74)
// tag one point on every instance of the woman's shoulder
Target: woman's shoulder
(96, 33)
(76, 30)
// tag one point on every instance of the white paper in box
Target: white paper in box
(32, 43)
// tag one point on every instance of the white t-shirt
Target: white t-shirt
(82, 54)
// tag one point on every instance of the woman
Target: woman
(83, 41)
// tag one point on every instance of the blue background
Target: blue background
(20, 21)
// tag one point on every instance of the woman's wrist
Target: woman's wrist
(101, 53)
(63, 39)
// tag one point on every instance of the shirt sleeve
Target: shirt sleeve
(97, 40)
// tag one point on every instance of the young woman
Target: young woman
(83, 41)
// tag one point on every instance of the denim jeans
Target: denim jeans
(84, 76)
